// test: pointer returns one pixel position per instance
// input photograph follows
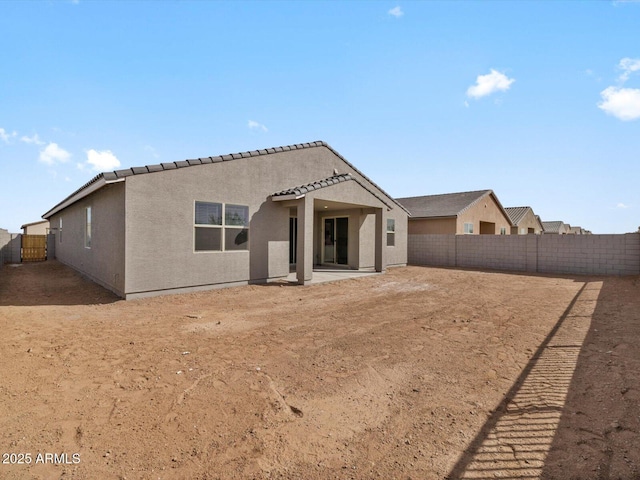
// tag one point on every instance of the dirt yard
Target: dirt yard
(420, 373)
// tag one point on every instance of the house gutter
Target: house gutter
(97, 185)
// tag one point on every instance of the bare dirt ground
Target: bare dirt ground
(419, 373)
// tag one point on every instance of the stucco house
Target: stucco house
(36, 228)
(470, 213)
(556, 227)
(524, 221)
(235, 219)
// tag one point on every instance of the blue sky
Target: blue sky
(539, 101)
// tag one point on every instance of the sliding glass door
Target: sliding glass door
(335, 248)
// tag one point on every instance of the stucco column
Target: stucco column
(304, 264)
(381, 240)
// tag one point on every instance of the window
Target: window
(221, 227)
(468, 228)
(503, 231)
(523, 231)
(87, 228)
(236, 233)
(60, 230)
(391, 232)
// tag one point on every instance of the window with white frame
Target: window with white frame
(391, 232)
(60, 229)
(220, 227)
(468, 228)
(503, 231)
(236, 227)
(87, 228)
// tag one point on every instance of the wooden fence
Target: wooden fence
(34, 248)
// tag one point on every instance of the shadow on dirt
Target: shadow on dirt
(573, 411)
(49, 283)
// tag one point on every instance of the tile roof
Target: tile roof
(119, 175)
(444, 205)
(517, 213)
(327, 182)
(309, 187)
(552, 227)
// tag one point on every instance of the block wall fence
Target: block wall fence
(566, 254)
(10, 244)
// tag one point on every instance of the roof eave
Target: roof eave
(283, 198)
(95, 186)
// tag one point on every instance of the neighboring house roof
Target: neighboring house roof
(447, 204)
(516, 214)
(34, 223)
(105, 178)
(552, 227)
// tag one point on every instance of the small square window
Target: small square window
(208, 213)
(236, 215)
(236, 239)
(468, 228)
(214, 234)
(208, 239)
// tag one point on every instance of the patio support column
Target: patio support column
(381, 240)
(304, 252)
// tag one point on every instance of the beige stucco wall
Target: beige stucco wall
(426, 226)
(160, 214)
(104, 261)
(40, 228)
(528, 221)
(485, 210)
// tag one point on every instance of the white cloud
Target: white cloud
(34, 140)
(622, 103)
(253, 125)
(103, 160)
(622, 205)
(490, 83)
(6, 136)
(628, 66)
(396, 12)
(52, 154)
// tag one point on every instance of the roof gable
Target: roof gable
(552, 227)
(302, 190)
(104, 178)
(444, 205)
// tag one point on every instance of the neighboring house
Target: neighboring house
(228, 220)
(478, 212)
(36, 228)
(575, 231)
(556, 227)
(524, 221)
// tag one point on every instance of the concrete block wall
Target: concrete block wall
(437, 250)
(10, 245)
(590, 254)
(568, 254)
(501, 252)
(5, 238)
